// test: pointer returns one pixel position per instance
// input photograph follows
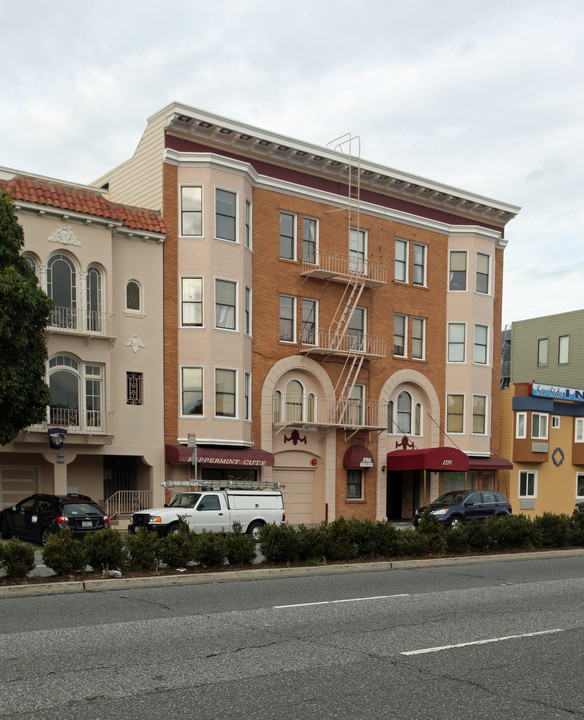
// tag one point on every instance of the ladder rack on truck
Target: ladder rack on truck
(223, 485)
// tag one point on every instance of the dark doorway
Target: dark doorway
(119, 473)
(394, 495)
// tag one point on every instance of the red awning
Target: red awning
(443, 459)
(245, 457)
(357, 456)
(489, 463)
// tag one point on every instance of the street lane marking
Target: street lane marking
(332, 602)
(480, 642)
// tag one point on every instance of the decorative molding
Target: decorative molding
(135, 343)
(64, 234)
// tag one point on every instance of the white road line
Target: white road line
(332, 602)
(480, 642)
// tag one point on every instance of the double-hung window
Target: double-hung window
(455, 413)
(527, 483)
(419, 264)
(247, 312)
(192, 302)
(309, 240)
(521, 426)
(579, 430)
(354, 484)
(479, 414)
(482, 273)
(404, 412)
(400, 323)
(192, 391)
(457, 277)
(309, 321)
(418, 337)
(248, 226)
(225, 304)
(539, 426)
(542, 352)
(357, 329)
(563, 349)
(191, 211)
(287, 318)
(247, 396)
(225, 392)
(401, 260)
(456, 338)
(357, 250)
(481, 334)
(579, 486)
(287, 236)
(225, 214)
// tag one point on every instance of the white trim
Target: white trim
(527, 497)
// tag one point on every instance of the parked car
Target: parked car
(462, 506)
(579, 508)
(37, 516)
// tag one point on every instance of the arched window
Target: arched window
(133, 296)
(418, 419)
(311, 407)
(404, 412)
(64, 382)
(294, 399)
(277, 406)
(62, 289)
(32, 261)
(94, 299)
(390, 420)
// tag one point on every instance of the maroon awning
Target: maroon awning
(444, 459)
(357, 456)
(489, 463)
(246, 457)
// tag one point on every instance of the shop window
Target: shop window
(354, 484)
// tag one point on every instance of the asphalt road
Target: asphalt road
(488, 640)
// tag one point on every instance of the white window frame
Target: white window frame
(356, 332)
(564, 350)
(293, 298)
(580, 483)
(579, 429)
(526, 496)
(488, 274)
(555, 422)
(182, 212)
(248, 224)
(521, 419)
(316, 222)
(235, 372)
(184, 302)
(478, 345)
(540, 416)
(456, 432)
(422, 340)
(452, 344)
(248, 311)
(235, 307)
(182, 392)
(235, 239)
(315, 306)
(424, 265)
(353, 472)
(543, 352)
(485, 416)
(247, 396)
(140, 309)
(293, 237)
(405, 335)
(358, 256)
(403, 264)
(450, 271)
(298, 406)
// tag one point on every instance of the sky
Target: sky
(483, 95)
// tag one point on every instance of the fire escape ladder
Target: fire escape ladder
(344, 312)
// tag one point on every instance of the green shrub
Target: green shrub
(512, 531)
(363, 535)
(280, 543)
(577, 533)
(312, 543)
(178, 549)
(390, 541)
(339, 540)
(415, 544)
(457, 539)
(433, 531)
(210, 549)
(240, 549)
(105, 549)
(478, 536)
(17, 558)
(63, 554)
(556, 530)
(143, 548)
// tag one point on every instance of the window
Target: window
(247, 396)
(390, 420)
(225, 395)
(134, 385)
(62, 289)
(225, 214)
(580, 485)
(527, 484)
(192, 391)
(76, 393)
(539, 426)
(399, 335)
(247, 312)
(481, 334)
(418, 420)
(309, 239)
(93, 395)
(133, 296)
(356, 405)
(357, 250)
(579, 430)
(555, 422)
(277, 406)
(457, 278)
(309, 315)
(479, 414)
(287, 318)
(192, 302)
(482, 273)
(521, 426)
(563, 349)
(248, 226)
(311, 407)
(287, 236)
(401, 261)
(225, 304)
(32, 261)
(542, 352)
(456, 332)
(419, 264)
(357, 329)
(404, 412)
(294, 401)
(418, 335)
(94, 299)
(455, 413)
(354, 484)
(191, 211)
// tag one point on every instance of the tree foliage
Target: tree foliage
(24, 314)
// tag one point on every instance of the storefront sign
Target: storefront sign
(557, 392)
(203, 460)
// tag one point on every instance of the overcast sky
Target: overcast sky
(484, 95)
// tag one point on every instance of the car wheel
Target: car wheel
(455, 522)
(45, 535)
(5, 530)
(254, 528)
(172, 528)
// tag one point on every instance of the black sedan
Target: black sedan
(37, 516)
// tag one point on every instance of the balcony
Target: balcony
(330, 343)
(77, 321)
(344, 413)
(326, 265)
(94, 426)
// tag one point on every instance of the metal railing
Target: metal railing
(348, 344)
(126, 502)
(342, 412)
(90, 422)
(78, 321)
(346, 266)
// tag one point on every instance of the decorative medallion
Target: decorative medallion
(405, 444)
(558, 457)
(295, 438)
(135, 343)
(64, 234)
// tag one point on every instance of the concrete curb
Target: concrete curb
(268, 573)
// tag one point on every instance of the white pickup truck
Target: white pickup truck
(214, 510)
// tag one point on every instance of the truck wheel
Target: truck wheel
(254, 528)
(172, 528)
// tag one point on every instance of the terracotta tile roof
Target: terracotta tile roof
(83, 201)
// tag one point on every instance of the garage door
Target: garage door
(16, 483)
(298, 494)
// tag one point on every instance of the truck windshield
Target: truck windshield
(185, 500)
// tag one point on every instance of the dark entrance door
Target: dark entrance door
(393, 509)
(119, 473)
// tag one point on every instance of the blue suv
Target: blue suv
(461, 506)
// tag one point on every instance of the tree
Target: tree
(24, 314)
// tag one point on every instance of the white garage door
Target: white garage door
(298, 494)
(16, 483)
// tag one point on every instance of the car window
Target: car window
(474, 498)
(27, 504)
(210, 502)
(44, 505)
(184, 500)
(77, 509)
(489, 497)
